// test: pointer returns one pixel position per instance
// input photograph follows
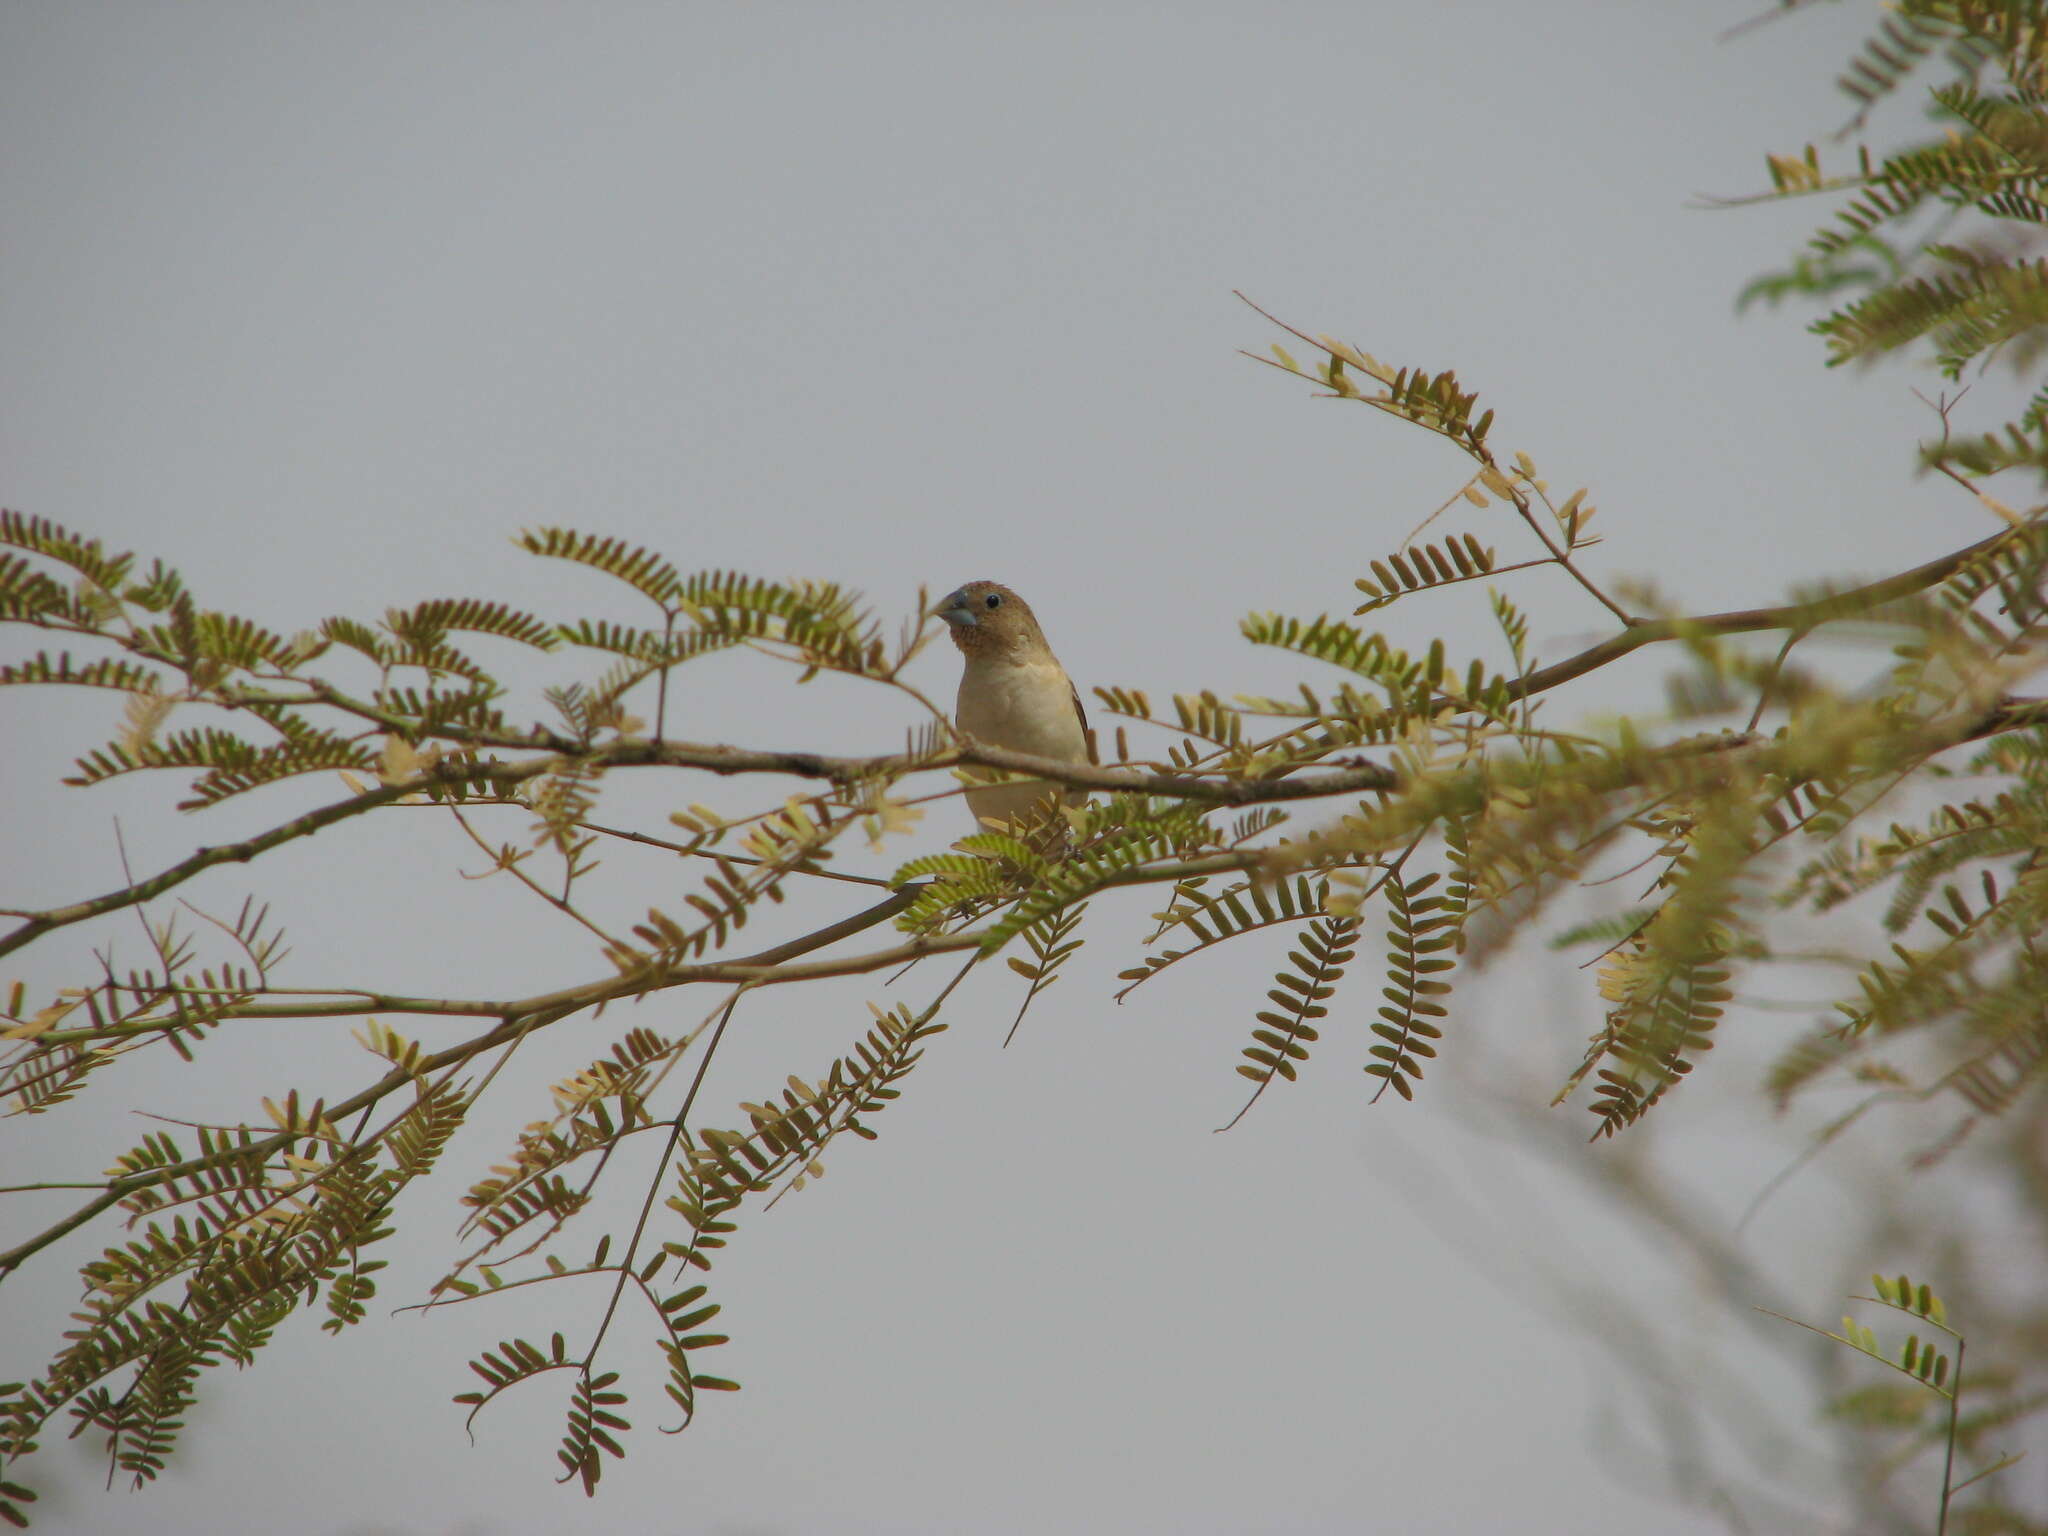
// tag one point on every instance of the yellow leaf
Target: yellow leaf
(1347, 895)
(889, 818)
(398, 762)
(47, 1019)
(1790, 175)
(1998, 508)
(146, 711)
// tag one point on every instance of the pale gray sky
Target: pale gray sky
(328, 302)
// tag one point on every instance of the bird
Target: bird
(1013, 693)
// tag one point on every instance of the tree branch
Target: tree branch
(768, 967)
(1807, 615)
(1359, 778)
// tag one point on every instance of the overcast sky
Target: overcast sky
(326, 303)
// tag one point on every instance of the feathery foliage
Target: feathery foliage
(1434, 802)
(1932, 1367)
(1939, 241)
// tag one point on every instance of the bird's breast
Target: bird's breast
(1027, 707)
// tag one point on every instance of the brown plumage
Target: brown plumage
(1013, 693)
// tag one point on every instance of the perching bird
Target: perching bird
(1013, 693)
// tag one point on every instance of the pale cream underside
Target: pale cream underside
(1027, 708)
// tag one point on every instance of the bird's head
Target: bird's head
(986, 617)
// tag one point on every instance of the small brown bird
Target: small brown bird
(1013, 693)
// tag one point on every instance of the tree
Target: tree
(1459, 814)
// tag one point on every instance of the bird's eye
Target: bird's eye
(993, 600)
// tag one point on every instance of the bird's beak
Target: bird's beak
(954, 609)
